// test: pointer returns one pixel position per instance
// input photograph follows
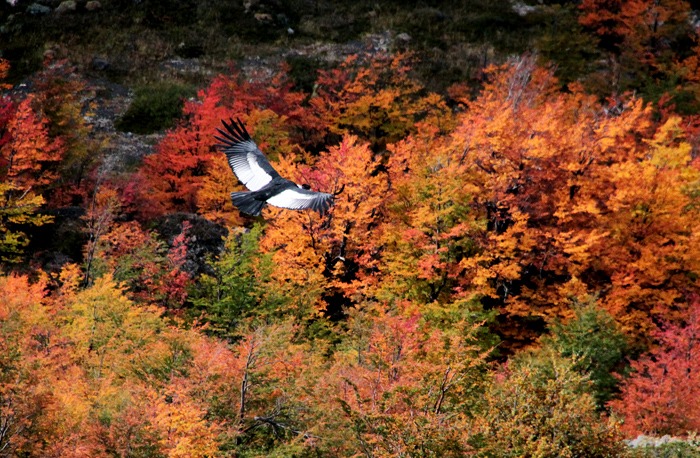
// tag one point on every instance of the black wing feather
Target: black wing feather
(246, 160)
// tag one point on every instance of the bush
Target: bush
(541, 407)
(155, 107)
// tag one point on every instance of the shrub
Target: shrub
(541, 407)
(155, 107)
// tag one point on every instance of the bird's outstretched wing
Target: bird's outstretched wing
(300, 199)
(245, 158)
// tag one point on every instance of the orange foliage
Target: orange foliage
(564, 216)
(339, 250)
(403, 385)
(27, 154)
(375, 99)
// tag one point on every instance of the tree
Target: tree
(65, 99)
(430, 224)
(649, 46)
(330, 259)
(661, 395)
(24, 398)
(239, 289)
(375, 98)
(594, 341)
(398, 386)
(562, 218)
(542, 407)
(25, 152)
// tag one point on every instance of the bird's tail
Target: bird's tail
(246, 203)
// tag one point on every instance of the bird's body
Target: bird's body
(266, 185)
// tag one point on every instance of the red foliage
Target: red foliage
(662, 396)
(171, 179)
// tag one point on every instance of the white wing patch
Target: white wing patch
(295, 200)
(244, 164)
(260, 176)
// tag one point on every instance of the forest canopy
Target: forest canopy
(510, 267)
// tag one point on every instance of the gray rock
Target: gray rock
(521, 9)
(93, 5)
(403, 37)
(66, 7)
(38, 9)
(641, 441)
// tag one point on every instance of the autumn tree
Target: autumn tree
(648, 44)
(326, 260)
(375, 98)
(26, 153)
(153, 271)
(430, 224)
(661, 395)
(25, 400)
(186, 173)
(563, 219)
(397, 384)
(65, 99)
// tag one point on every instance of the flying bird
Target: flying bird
(266, 186)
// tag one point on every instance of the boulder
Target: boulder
(38, 9)
(67, 6)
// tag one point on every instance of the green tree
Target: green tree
(593, 338)
(238, 287)
(540, 406)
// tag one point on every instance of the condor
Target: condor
(255, 172)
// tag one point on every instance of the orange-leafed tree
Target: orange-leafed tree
(66, 98)
(27, 156)
(334, 255)
(398, 384)
(376, 98)
(563, 218)
(430, 222)
(21, 398)
(651, 251)
(647, 42)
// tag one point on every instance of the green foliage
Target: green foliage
(540, 406)
(564, 44)
(238, 288)
(155, 107)
(593, 338)
(18, 212)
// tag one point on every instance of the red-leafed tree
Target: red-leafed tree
(186, 171)
(662, 395)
